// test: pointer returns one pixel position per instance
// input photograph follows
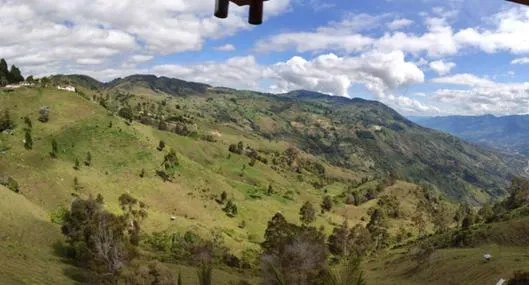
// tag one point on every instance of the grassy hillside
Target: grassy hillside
(297, 147)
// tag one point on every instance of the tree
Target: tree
(377, 226)
(169, 165)
(161, 146)
(134, 213)
(88, 160)
(441, 218)
(44, 114)
(4, 73)
(292, 254)
(28, 141)
(76, 165)
(349, 274)
(269, 190)
(204, 273)
(54, 148)
(142, 173)
(162, 125)
(5, 121)
(97, 239)
(519, 191)
(30, 79)
(28, 123)
(126, 113)
(391, 205)
(360, 240)
(419, 220)
(326, 205)
(338, 241)
(10, 183)
(15, 76)
(230, 209)
(307, 213)
(422, 252)
(486, 213)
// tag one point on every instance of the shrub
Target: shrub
(326, 204)
(28, 123)
(76, 165)
(28, 141)
(44, 113)
(126, 113)
(58, 215)
(88, 160)
(519, 278)
(54, 149)
(5, 122)
(11, 184)
(142, 173)
(161, 146)
(230, 209)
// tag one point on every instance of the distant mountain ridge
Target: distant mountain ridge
(508, 134)
(357, 134)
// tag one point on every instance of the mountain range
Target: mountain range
(507, 134)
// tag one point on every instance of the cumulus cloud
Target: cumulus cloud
(441, 67)
(399, 24)
(329, 73)
(495, 98)
(40, 34)
(463, 79)
(226, 47)
(522, 60)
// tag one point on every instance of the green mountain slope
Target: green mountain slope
(508, 134)
(297, 147)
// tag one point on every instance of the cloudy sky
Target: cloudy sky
(421, 57)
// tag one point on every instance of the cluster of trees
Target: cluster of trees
(293, 254)
(101, 241)
(248, 151)
(10, 183)
(9, 76)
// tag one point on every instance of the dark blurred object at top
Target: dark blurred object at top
(256, 9)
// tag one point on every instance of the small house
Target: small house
(66, 88)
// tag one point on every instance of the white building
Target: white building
(66, 88)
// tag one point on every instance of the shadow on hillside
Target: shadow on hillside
(77, 274)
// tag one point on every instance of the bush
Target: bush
(58, 215)
(126, 113)
(54, 149)
(28, 141)
(44, 114)
(11, 184)
(161, 146)
(520, 278)
(5, 122)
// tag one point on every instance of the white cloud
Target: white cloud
(139, 58)
(420, 94)
(329, 73)
(60, 34)
(226, 47)
(522, 60)
(463, 79)
(441, 67)
(399, 24)
(495, 98)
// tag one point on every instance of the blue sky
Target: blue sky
(421, 57)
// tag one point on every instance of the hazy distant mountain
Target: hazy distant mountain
(508, 134)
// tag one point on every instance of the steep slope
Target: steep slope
(508, 134)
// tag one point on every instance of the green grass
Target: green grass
(448, 266)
